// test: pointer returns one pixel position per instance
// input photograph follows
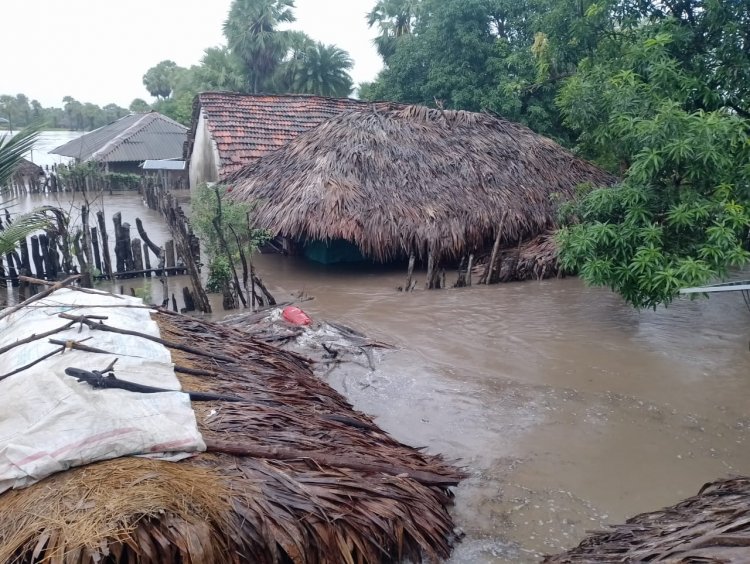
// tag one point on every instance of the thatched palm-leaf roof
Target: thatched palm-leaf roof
(711, 527)
(400, 181)
(318, 483)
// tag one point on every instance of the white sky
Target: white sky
(98, 50)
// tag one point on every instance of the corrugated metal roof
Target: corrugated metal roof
(163, 164)
(246, 127)
(136, 137)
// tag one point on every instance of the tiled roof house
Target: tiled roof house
(124, 144)
(230, 130)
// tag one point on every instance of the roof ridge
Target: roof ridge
(139, 125)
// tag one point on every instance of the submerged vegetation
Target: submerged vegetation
(227, 235)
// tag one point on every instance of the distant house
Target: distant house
(230, 131)
(123, 145)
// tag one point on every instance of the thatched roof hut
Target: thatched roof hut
(292, 474)
(712, 526)
(413, 180)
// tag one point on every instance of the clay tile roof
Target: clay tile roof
(246, 127)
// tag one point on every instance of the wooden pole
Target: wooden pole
(169, 246)
(88, 250)
(127, 247)
(495, 248)
(120, 254)
(105, 244)
(49, 266)
(468, 269)
(86, 280)
(95, 246)
(142, 234)
(409, 273)
(146, 258)
(135, 251)
(36, 256)
(188, 299)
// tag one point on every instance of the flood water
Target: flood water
(568, 409)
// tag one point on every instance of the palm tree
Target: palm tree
(12, 150)
(395, 19)
(252, 36)
(315, 68)
(220, 70)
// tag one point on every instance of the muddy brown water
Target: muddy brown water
(568, 409)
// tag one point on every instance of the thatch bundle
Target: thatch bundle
(413, 181)
(293, 474)
(534, 259)
(713, 526)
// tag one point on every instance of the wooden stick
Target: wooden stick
(495, 247)
(76, 345)
(32, 363)
(361, 464)
(76, 288)
(32, 338)
(7, 311)
(88, 321)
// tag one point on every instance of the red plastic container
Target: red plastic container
(295, 315)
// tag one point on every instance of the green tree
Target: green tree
(314, 68)
(159, 79)
(252, 33)
(220, 69)
(139, 106)
(646, 103)
(472, 55)
(73, 113)
(394, 19)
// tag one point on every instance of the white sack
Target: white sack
(50, 422)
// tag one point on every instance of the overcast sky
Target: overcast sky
(98, 50)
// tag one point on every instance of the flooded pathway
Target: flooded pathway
(568, 409)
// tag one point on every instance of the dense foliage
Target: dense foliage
(660, 99)
(225, 232)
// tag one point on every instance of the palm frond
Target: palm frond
(12, 151)
(23, 226)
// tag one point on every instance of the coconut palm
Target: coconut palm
(221, 70)
(394, 19)
(252, 35)
(315, 68)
